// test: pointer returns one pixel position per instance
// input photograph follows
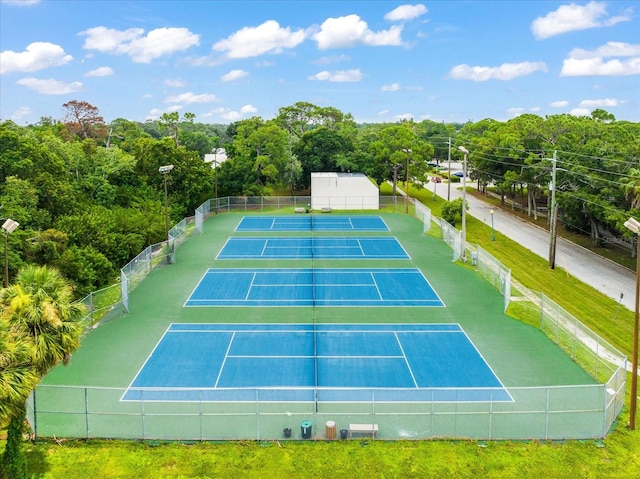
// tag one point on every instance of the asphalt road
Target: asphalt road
(590, 268)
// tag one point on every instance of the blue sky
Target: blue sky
(381, 61)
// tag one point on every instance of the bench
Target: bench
(326, 209)
(363, 429)
(300, 210)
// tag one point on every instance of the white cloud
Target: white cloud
(506, 71)
(392, 87)
(602, 103)
(50, 86)
(37, 56)
(598, 67)
(100, 72)
(572, 17)
(345, 32)
(382, 112)
(20, 113)
(141, 49)
(338, 76)
(190, 97)
(253, 41)
(403, 116)
(597, 63)
(406, 12)
(559, 104)
(581, 112)
(154, 114)
(234, 75)
(231, 115)
(248, 109)
(175, 82)
(609, 49)
(515, 111)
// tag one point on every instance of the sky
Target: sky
(381, 61)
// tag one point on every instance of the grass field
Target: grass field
(616, 456)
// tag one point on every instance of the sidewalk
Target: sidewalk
(590, 268)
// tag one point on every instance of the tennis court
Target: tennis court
(243, 363)
(314, 287)
(402, 362)
(345, 247)
(312, 222)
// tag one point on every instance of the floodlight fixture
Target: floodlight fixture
(165, 169)
(9, 226)
(633, 225)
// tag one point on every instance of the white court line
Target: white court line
(395, 333)
(264, 246)
(226, 355)
(253, 279)
(376, 285)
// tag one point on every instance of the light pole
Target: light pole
(164, 171)
(464, 204)
(406, 198)
(215, 172)
(634, 226)
(493, 236)
(9, 226)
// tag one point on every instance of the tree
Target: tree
(396, 147)
(83, 119)
(39, 310)
(451, 211)
(293, 173)
(171, 122)
(17, 380)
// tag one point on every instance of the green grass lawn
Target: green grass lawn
(617, 456)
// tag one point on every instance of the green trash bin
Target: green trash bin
(305, 429)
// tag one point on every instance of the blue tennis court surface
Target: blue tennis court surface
(312, 222)
(314, 287)
(398, 362)
(344, 247)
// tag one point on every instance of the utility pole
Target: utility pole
(553, 215)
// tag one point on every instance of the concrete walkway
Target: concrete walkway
(590, 268)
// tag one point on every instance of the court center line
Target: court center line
(395, 333)
(264, 247)
(362, 253)
(226, 355)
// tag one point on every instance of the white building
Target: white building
(343, 191)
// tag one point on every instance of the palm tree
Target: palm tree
(38, 309)
(17, 376)
(17, 379)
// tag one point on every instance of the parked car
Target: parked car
(459, 174)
